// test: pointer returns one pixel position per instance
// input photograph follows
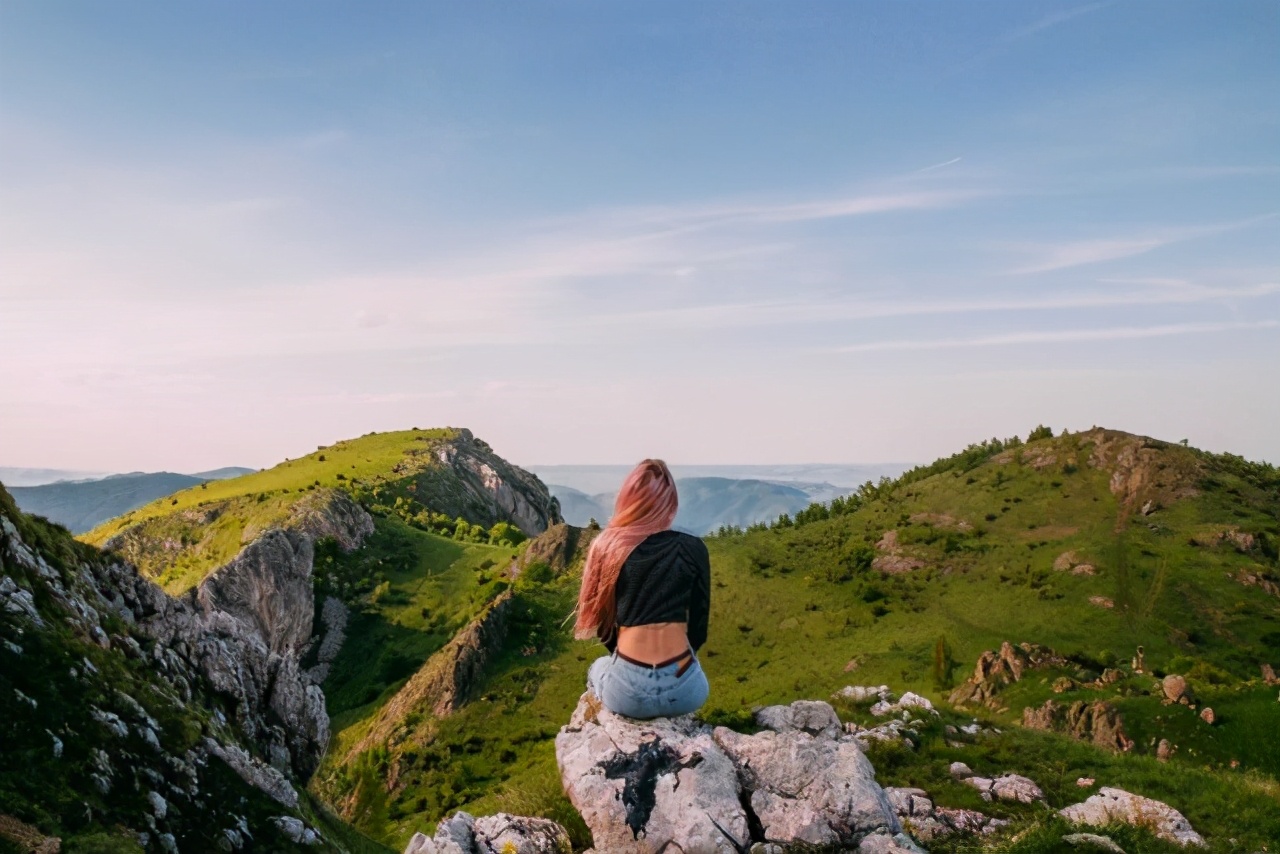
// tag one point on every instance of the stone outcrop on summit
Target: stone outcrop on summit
(484, 488)
(673, 784)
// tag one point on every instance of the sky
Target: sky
(715, 232)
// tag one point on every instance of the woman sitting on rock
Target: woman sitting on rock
(646, 591)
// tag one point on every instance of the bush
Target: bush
(505, 534)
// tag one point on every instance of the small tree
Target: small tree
(943, 665)
(1041, 432)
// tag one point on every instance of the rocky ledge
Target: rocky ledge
(462, 833)
(676, 785)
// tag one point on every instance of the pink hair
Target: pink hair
(646, 504)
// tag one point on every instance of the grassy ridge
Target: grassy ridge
(178, 539)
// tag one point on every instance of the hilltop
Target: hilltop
(180, 538)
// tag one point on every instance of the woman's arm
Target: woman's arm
(699, 595)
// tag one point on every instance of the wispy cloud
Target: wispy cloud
(1051, 20)
(950, 162)
(1080, 252)
(795, 313)
(1049, 257)
(1063, 336)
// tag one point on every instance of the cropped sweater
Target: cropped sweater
(665, 579)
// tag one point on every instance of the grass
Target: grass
(430, 587)
(178, 539)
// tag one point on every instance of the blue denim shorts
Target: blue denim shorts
(641, 691)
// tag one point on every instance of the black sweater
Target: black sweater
(665, 579)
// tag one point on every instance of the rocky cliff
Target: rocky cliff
(124, 711)
(483, 488)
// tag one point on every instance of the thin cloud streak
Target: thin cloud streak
(1082, 252)
(1050, 21)
(950, 162)
(1060, 337)
(785, 313)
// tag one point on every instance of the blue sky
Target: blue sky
(592, 232)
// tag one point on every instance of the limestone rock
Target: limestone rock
(886, 843)
(908, 700)
(521, 835)
(1174, 688)
(997, 669)
(1015, 787)
(812, 717)
(462, 833)
(863, 693)
(1098, 722)
(557, 547)
(812, 789)
(1093, 840)
(1164, 750)
(486, 488)
(642, 786)
(255, 772)
(1110, 805)
(926, 822)
(1007, 787)
(1207, 715)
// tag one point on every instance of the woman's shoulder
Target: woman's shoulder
(672, 539)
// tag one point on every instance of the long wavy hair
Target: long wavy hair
(646, 504)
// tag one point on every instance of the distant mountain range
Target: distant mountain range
(706, 503)
(82, 504)
(713, 495)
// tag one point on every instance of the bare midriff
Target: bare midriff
(653, 643)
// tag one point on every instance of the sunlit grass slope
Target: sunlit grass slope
(193, 531)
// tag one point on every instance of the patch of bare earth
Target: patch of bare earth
(893, 558)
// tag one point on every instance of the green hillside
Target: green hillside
(906, 583)
(178, 539)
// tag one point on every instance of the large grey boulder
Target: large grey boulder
(650, 786)
(814, 789)
(675, 785)
(1112, 805)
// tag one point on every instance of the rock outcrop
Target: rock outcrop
(1146, 474)
(995, 670)
(1006, 787)
(926, 822)
(120, 689)
(558, 548)
(463, 833)
(482, 487)
(1112, 805)
(1097, 722)
(247, 625)
(673, 784)
(445, 681)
